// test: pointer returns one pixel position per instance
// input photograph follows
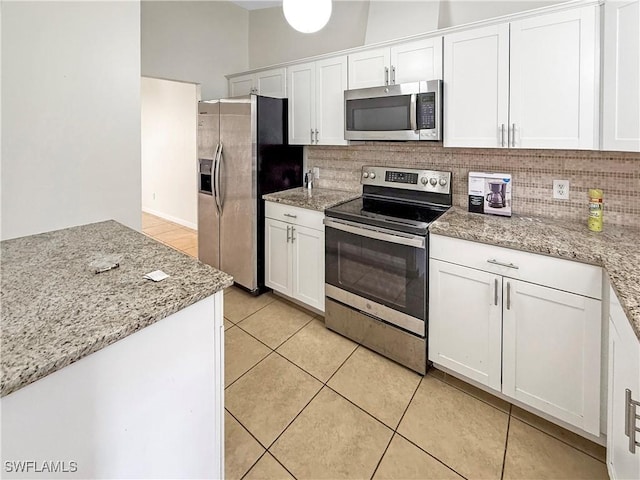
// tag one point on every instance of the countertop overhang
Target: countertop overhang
(318, 199)
(56, 310)
(616, 249)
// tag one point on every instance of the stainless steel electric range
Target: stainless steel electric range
(376, 261)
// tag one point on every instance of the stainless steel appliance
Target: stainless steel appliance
(408, 111)
(243, 154)
(376, 261)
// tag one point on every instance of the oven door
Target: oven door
(378, 271)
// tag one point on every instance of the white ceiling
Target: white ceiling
(256, 4)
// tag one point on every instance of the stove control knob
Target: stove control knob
(365, 174)
(443, 182)
(424, 180)
(433, 181)
(372, 175)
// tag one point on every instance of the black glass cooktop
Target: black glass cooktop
(401, 216)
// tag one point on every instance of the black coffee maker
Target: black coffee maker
(497, 197)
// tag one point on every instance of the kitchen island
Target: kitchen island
(109, 375)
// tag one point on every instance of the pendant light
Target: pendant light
(307, 16)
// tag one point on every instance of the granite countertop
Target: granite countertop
(315, 199)
(616, 249)
(56, 310)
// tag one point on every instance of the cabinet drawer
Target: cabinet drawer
(574, 277)
(294, 215)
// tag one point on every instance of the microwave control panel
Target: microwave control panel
(426, 108)
(429, 110)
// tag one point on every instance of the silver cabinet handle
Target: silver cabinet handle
(316, 136)
(386, 75)
(513, 136)
(393, 75)
(293, 230)
(496, 262)
(508, 295)
(288, 237)
(630, 419)
(495, 291)
(312, 136)
(290, 216)
(502, 135)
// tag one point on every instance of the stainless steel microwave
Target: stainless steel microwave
(407, 111)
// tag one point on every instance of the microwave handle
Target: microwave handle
(413, 112)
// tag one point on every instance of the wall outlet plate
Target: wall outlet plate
(561, 189)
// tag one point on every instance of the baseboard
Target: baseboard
(171, 218)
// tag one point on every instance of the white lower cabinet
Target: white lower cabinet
(492, 320)
(294, 253)
(623, 453)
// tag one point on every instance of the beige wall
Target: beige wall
(459, 12)
(70, 115)
(194, 41)
(389, 20)
(169, 124)
(272, 40)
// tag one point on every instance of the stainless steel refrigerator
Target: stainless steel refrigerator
(242, 155)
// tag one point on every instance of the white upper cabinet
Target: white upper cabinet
(270, 83)
(316, 102)
(621, 76)
(538, 90)
(476, 90)
(406, 62)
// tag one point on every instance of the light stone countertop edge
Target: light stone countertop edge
(52, 318)
(318, 199)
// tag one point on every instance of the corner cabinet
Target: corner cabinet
(269, 83)
(525, 325)
(623, 405)
(294, 253)
(531, 83)
(402, 63)
(621, 76)
(316, 102)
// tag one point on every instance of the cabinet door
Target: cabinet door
(551, 352)
(272, 83)
(553, 80)
(241, 85)
(301, 80)
(416, 61)
(624, 373)
(277, 256)
(465, 319)
(621, 76)
(370, 68)
(308, 266)
(331, 82)
(476, 90)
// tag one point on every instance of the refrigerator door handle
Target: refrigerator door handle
(215, 167)
(216, 180)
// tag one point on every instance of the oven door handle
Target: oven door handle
(376, 233)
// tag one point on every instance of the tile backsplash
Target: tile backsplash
(616, 173)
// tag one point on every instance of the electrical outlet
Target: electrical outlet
(561, 189)
(316, 172)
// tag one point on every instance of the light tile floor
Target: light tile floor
(304, 402)
(171, 234)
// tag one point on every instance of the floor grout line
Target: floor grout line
(506, 443)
